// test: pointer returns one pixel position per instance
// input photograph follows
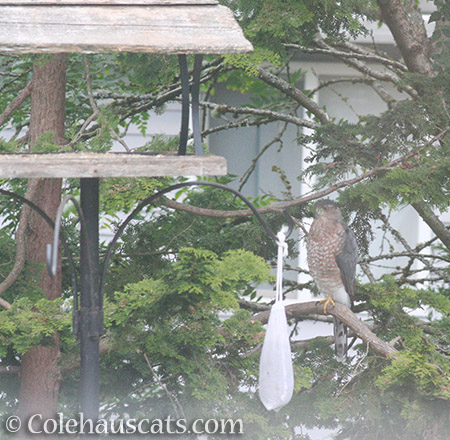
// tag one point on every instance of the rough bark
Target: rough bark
(40, 371)
(432, 220)
(410, 36)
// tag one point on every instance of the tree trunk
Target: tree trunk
(40, 371)
(411, 37)
(433, 221)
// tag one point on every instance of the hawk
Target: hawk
(332, 254)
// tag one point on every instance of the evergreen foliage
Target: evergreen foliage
(180, 300)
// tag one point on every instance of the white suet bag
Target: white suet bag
(276, 376)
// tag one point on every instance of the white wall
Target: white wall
(342, 101)
(241, 145)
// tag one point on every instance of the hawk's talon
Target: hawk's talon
(327, 301)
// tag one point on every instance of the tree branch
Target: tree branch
(278, 207)
(20, 244)
(294, 93)
(354, 62)
(405, 244)
(432, 220)
(276, 116)
(345, 315)
(410, 37)
(331, 82)
(413, 254)
(128, 105)
(277, 139)
(244, 122)
(295, 345)
(356, 55)
(16, 103)
(171, 93)
(313, 310)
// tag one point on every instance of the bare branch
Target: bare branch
(432, 220)
(244, 122)
(16, 103)
(94, 107)
(276, 116)
(367, 272)
(345, 315)
(248, 173)
(87, 68)
(353, 375)
(331, 82)
(14, 77)
(405, 244)
(86, 123)
(411, 253)
(365, 50)
(383, 94)
(294, 93)
(253, 306)
(172, 397)
(150, 101)
(5, 304)
(20, 244)
(128, 105)
(278, 207)
(356, 55)
(120, 140)
(365, 69)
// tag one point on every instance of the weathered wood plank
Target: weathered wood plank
(73, 165)
(92, 29)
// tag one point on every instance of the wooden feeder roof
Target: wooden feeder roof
(67, 165)
(95, 26)
(98, 26)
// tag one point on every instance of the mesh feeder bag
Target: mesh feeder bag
(276, 376)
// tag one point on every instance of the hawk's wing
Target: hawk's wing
(346, 260)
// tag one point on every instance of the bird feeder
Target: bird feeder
(179, 27)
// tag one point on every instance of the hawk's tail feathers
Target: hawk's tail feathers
(340, 340)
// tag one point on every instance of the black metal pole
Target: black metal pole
(90, 311)
(91, 317)
(198, 148)
(184, 104)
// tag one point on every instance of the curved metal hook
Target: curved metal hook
(52, 252)
(52, 249)
(155, 196)
(290, 221)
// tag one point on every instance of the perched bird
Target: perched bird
(332, 254)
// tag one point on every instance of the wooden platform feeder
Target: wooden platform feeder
(94, 26)
(97, 26)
